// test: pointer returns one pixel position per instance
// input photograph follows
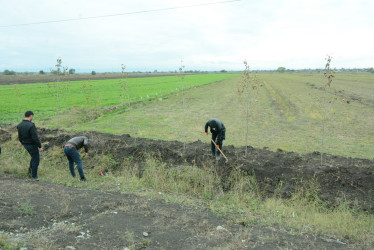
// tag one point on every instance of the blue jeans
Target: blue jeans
(73, 156)
(35, 159)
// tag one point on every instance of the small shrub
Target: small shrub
(248, 91)
(329, 75)
(26, 209)
(124, 87)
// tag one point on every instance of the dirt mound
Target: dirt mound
(4, 136)
(339, 177)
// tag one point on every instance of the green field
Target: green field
(287, 113)
(42, 97)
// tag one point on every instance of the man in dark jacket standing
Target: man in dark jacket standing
(28, 136)
(218, 131)
(71, 151)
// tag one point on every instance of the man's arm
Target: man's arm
(85, 144)
(19, 134)
(206, 127)
(34, 136)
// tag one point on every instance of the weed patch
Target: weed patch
(26, 209)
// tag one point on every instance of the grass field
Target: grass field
(42, 97)
(287, 114)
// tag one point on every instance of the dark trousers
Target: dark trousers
(218, 140)
(35, 159)
(73, 156)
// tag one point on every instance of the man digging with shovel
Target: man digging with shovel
(218, 131)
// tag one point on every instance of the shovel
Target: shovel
(227, 160)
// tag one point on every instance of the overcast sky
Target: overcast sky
(294, 34)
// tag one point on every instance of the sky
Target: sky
(213, 35)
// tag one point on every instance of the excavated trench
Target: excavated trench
(339, 177)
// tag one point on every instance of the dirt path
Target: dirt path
(47, 215)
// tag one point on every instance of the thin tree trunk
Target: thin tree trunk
(247, 122)
(323, 125)
(58, 104)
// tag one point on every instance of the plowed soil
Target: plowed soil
(26, 79)
(339, 177)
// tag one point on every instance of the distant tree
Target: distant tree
(223, 71)
(71, 71)
(9, 72)
(371, 70)
(93, 72)
(281, 69)
(41, 72)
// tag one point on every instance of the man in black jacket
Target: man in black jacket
(218, 131)
(28, 136)
(71, 151)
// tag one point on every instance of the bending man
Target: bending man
(218, 131)
(71, 151)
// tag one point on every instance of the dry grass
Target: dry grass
(244, 203)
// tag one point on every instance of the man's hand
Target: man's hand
(206, 133)
(85, 154)
(217, 146)
(41, 149)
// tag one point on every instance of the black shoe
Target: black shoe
(83, 179)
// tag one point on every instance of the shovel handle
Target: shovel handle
(219, 149)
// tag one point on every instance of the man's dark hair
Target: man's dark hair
(28, 113)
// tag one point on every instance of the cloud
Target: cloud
(269, 33)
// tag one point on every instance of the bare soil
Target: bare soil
(45, 215)
(35, 78)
